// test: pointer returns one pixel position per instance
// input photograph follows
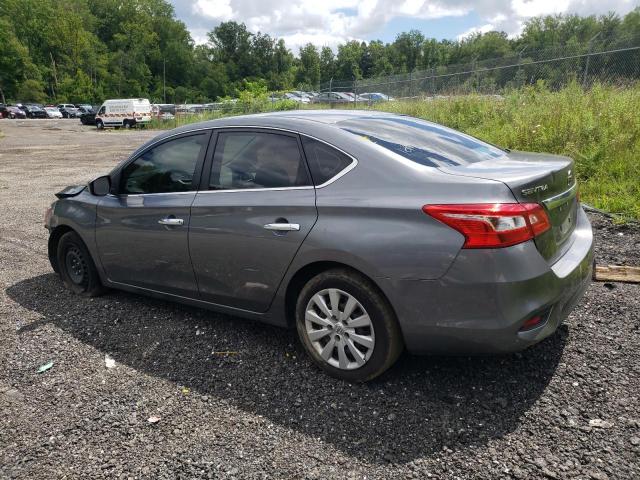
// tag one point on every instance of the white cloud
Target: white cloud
(330, 22)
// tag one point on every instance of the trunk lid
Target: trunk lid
(535, 178)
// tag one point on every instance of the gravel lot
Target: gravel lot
(566, 408)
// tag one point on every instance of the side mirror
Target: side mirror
(100, 186)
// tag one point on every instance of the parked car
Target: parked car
(376, 97)
(88, 117)
(331, 97)
(3, 111)
(33, 110)
(295, 97)
(69, 110)
(167, 111)
(14, 112)
(52, 112)
(368, 231)
(125, 112)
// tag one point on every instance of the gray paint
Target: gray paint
(446, 298)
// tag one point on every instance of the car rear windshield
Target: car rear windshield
(423, 142)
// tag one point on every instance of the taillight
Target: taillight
(492, 225)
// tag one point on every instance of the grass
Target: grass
(599, 128)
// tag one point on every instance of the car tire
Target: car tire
(99, 125)
(376, 323)
(76, 267)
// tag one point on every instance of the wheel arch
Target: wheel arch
(52, 246)
(307, 272)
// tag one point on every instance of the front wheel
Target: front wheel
(347, 326)
(99, 125)
(76, 266)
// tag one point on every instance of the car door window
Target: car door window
(169, 167)
(325, 162)
(257, 160)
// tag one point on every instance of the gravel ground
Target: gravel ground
(566, 408)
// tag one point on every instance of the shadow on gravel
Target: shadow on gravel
(420, 407)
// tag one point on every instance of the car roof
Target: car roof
(290, 118)
(309, 122)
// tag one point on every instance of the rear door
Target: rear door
(142, 229)
(247, 223)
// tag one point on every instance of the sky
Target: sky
(330, 22)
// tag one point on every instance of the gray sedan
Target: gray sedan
(369, 232)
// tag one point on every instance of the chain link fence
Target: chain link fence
(616, 61)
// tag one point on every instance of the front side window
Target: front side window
(167, 168)
(325, 162)
(245, 160)
(101, 112)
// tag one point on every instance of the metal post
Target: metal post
(433, 81)
(355, 92)
(586, 66)
(520, 64)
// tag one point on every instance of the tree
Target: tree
(327, 64)
(309, 72)
(348, 60)
(407, 50)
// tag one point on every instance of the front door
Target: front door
(142, 230)
(247, 227)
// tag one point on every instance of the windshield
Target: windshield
(423, 142)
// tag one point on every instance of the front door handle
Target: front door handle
(283, 227)
(174, 222)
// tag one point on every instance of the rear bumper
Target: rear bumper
(481, 303)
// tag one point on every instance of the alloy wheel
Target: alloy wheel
(339, 329)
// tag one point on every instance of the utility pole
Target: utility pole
(164, 78)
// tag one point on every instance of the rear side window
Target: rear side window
(423, 142)
(246, 160)
(324, 161)
(167, 168)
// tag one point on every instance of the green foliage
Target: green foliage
(599, 128)
(84, 50)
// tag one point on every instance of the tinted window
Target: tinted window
(169, 167)
(423, 142)
(257, 160)
(324, 161)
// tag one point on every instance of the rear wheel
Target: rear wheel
(347, 327)
(76, 266)
(126, 124)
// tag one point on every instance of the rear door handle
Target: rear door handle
(171, 221)
(283, 227)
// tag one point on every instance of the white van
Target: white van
(126, 112)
